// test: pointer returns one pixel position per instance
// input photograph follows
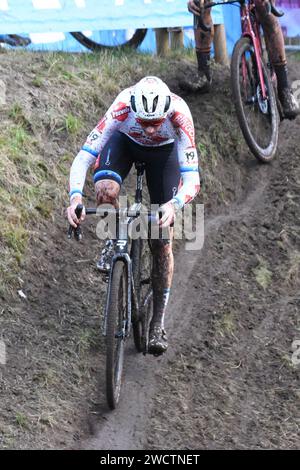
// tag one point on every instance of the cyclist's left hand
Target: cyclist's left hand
(168, 214)
(195, 7)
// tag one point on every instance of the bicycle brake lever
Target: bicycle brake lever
(77, 231)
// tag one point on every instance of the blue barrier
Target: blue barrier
(49, 21)
(36, 16)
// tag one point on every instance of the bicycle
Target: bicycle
(15, 40)
(254, 83)
(129, 291)
(133, 42)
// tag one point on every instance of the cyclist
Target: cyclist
(147, 123)
(275, 46)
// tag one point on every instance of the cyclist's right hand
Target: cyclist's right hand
(194, 6)
(71, 215)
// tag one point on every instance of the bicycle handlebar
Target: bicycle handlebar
(198, 20)
(103, 212)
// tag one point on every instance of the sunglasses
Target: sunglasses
(153, 123)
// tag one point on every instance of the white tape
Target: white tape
(3, 5)
(80, 3)
(46, 4)
(46, 38)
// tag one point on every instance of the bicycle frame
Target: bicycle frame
(122, 253)
(251, 28)
(121, 249)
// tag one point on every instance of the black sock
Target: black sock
(282, 77)
(203, 59)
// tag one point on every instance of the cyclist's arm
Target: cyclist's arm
(187, 156)
(115, 115)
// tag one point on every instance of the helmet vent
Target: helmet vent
(132, 102)
(168, 102)
(145, 104)
(155, 101)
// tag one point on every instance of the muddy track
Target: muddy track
(141, 372)
(125, 427)
(227, 380)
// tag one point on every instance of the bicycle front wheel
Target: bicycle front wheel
(135, 254)
(258, 117)
(142, 268)
(113, 39)
(116, 327)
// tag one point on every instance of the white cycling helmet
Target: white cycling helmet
(150, 99)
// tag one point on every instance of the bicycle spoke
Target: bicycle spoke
(116, 333)
(256, 109)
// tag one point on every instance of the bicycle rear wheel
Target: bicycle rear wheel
(116, 327)
(258, 118)
(114, 42)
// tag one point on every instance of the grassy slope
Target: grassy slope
(51, 105)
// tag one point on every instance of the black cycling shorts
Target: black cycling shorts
(161, 165)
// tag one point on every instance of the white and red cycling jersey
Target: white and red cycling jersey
(177, 127)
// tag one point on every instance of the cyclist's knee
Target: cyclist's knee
(107, 192)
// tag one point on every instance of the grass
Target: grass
(263, 275)
(40, 135)
(226, 325)
(38, 81)
(72, 124)
(21, 420)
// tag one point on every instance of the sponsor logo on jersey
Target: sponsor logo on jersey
(101, 124)
(135, 134)
(184, 123)
(120, 112)
(159, 139)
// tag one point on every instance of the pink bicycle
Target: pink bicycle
(254, 84)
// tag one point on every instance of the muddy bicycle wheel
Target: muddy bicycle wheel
(258, 118)
(114, 40)
(116, 332)
(141, 268)
(135, 254)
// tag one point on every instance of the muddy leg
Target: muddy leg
(275, 46)
(162, 275)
